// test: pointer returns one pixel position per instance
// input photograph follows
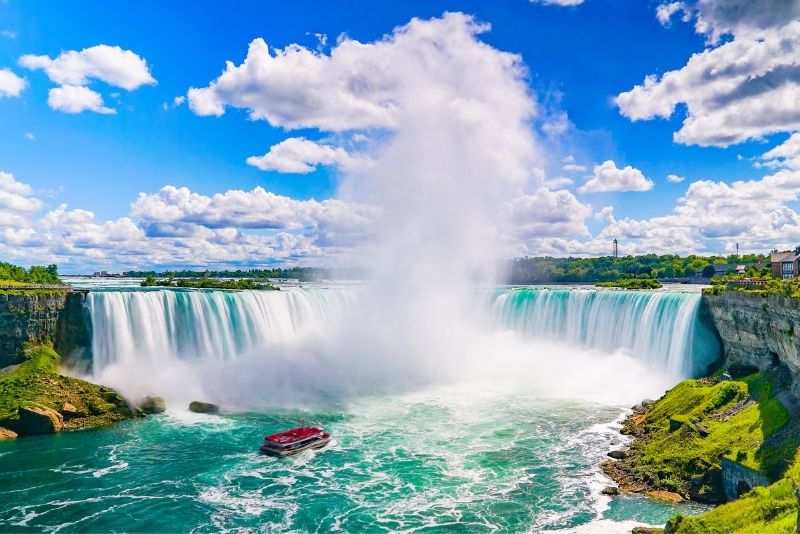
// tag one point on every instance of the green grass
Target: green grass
(632, 283)
(763, 510)
(674, 456)
(37, 381)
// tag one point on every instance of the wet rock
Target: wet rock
(610, 490)
(203, 407)
(647, 530)
(666, 496)
(152, 405)
(35, 419)
(7, 434)
(617, 455)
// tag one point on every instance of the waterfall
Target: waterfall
(305, 342)
(132, 326)
(661, 328)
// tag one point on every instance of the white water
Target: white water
(253, 348)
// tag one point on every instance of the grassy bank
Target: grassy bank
(772, 509)
(37, 381)
(680, 440)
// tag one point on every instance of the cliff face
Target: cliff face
(56, 317)
(758, 331)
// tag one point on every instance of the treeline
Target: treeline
(207, 283)
(304, 274)
(607, 269)
(33, 275)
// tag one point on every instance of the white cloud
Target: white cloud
(675, 179)
(745, 88)
(719, 17)
(787, 154)
(11, 84)
(77, 99)
(558, 2)
(665, 12)
(8, 34)
(178, 100)
(173, 208)
(558, 182)
(110, 64)
(607, 178)
(301, 156)
(29, 136)
(545, 213)
(573, 167)
(605, 214)
(16, 199)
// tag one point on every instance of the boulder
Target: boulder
(646, 530)
(34, 419)
(617, 455)
(151, 405)
(7, 434)
(666, 496)
(610, 490)
(203, 407)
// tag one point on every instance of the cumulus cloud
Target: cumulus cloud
(73, 70)
(545, 213)
(17, 201)
(607, 178)
(745, 88)
(301, 156)
(674, 178)
(11, 84)
(175, 209)
(110, 64)
(787, 154)
(77, 99)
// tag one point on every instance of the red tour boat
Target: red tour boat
(295, 441)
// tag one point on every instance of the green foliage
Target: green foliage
(207, 283)
(34, 275)
(697, 422)
(607, 269)
(632, 283)
(36, 381)
(770, 509)
(784, 288)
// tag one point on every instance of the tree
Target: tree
(708, 271)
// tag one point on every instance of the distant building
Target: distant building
(785, 264)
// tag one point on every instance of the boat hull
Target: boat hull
(279, 453)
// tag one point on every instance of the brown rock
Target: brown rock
(610, 490)
(638, 420)
(69, 411)
(666, 496)
(617, 455)
(34, 419)
(7, 434)
(203, 407)
(647, 530)
(153, 405)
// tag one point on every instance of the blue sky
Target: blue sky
(578, 59)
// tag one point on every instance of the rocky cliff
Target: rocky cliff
(758, 331)
(56, 317)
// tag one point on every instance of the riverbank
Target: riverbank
(35, 398)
